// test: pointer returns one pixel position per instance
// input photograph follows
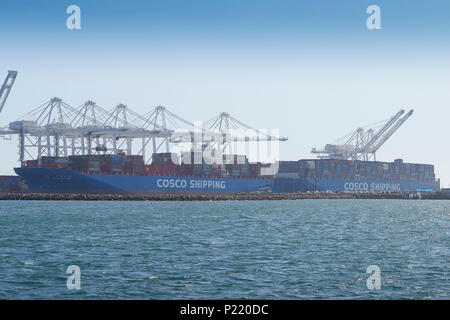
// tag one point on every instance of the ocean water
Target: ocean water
(307, 249)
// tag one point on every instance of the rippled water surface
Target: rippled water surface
(307, 249)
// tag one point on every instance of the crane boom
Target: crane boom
(6, 87)
(382, 130)
(390, 132)
(363, 142)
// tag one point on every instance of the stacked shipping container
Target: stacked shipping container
(308, 173)
(163, 164)
(360, 170)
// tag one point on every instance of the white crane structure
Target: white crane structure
(56, 129)
(231, 136)
(6, 87)
(363, 143)
(226, 125)
(160, 119)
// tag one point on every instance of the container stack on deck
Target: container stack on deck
(293, 176)
(163, 164)
(314, 174)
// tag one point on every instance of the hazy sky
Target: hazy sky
(310, 68)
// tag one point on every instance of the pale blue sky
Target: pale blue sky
(310, 68)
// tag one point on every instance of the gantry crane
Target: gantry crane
(57, 129)
(374, 147)
(226, 125)
(6, 87)
(363, 143)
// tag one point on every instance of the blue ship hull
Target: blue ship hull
(283, 185)
(63, 180)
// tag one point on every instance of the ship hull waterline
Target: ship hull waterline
(287, 185)
(51, 180)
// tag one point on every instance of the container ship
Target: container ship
(345, 166)
(338, 175)
(129, 174)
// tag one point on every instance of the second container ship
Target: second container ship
(354, 176)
